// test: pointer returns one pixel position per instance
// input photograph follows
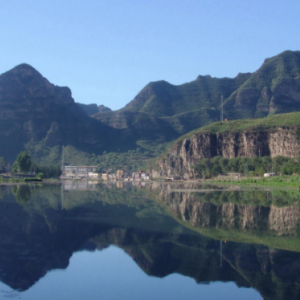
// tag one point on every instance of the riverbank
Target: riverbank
(286, 181)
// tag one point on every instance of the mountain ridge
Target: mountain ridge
(37, 115)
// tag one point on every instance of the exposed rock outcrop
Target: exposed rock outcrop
(186, 153)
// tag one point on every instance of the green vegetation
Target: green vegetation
(50, 158)
(290, 120)
(2, 164)
(2, 161)
(163, 99)
(22, 163)
(287, 181)
(46, 171)
(254, 166)
(11, 180)
(261, 91)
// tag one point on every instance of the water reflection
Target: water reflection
(166, 229)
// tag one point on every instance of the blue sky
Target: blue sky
(106, 51)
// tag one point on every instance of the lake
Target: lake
(81, 240)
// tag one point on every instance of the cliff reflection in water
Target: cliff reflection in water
(42, 226)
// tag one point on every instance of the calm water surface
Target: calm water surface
(155, 241)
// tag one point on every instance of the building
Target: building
(80, 171)
(86, 169)
(93, 175)
(70, 169)
(269, 174)
(119, 173)
(104, 176)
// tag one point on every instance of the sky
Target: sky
(106, 51)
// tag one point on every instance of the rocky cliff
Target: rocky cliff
(232, 141)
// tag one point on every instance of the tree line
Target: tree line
(23, 164)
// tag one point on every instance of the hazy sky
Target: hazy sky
(106, 51)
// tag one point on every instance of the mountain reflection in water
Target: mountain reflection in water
(206, 234)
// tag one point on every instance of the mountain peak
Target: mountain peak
(24, 70)
(25, 83)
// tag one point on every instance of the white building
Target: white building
(80, 171)
(269, 174)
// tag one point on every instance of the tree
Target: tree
(22, 163)
(2, 164)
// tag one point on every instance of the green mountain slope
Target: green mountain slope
(183, 108)
(289, 120)
(274, 88)
(38, 115)
(164, 99)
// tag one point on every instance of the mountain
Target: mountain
(40, 117)
(92, 109)
(32, 111)
(274, 88)
(183, 107)
(165, 100)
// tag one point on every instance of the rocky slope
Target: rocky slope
(277, 135)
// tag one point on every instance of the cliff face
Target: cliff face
(187, 153)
